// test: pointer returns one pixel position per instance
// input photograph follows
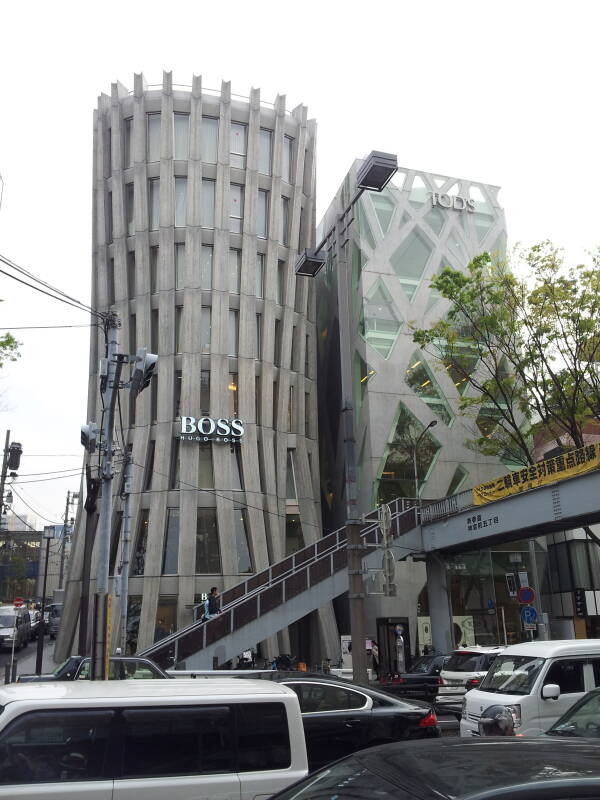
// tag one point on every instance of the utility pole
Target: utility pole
(110, 373)
(125, 552)
(91, 524)
(66, 530)
(48, 534)
(4, 470)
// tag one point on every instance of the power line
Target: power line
(52, 472)
(37, 289)
(51, 455)
(46, 327)
(56, 478)
(37, 513)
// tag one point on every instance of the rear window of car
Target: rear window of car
(347, 778)
(468, 662)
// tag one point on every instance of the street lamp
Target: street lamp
(432, 424)
(49, 533)
(373, 175)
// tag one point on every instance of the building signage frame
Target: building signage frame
(456, 201)
(208, 429)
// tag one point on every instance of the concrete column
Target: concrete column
(440, 611)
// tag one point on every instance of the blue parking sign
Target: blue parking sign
(528, 615)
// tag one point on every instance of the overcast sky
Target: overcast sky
(500, 92)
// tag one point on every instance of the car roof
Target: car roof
(558, 647)
(131, 690)
(455, 767)
(478, 649)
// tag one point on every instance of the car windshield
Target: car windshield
(347, 778)
(7, 620)
(583, 719)
(466, 662)
(60, 666)
(512, 674)
(422, 665)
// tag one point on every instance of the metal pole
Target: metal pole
(125, 553)
(535, 585)
(356, 548)
(42, 626)
(63, 542)
(4, 471)
(111, 387)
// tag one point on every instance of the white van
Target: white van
(464, 664)
(537, 682)
(149, 740)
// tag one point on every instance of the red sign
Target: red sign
(18, 602)
(526, 594)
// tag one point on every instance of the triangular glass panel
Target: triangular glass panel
(410, 259)
(404, 219)
(435, 219)
(398, 179)
(363, 225)
(419, 378)
(483, 223)
(380, 322)
(458, 479)
(457, 249)
(487, 420)
(397, 477)
(434, 295)
(439, 181)
(418, 192)
(384, 209)
(363, 373)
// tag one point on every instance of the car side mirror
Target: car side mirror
(551, 691)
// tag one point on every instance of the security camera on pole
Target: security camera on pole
(110, 383)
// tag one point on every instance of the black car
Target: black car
(341, 717)
(422, 681)
(451, 769)
(78, 668)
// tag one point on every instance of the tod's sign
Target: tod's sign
(207, 429)
(456, 201)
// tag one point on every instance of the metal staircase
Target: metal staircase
(270, 600)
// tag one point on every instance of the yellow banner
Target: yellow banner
(567, 465)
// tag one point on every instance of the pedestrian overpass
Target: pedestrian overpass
(270, 600)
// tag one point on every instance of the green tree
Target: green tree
(9, 349)
(525, 351)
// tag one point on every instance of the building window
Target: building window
(153, 270)
(154, 330)
(244, 559)
(208, 553)
(237, 154)
(108, 217)
(174, 465)
(129, 209)
(208, 203)
(205, 391)
(149, 467)
(307, 356)
(262, 214)
(154, 203)
(233, 331)
(277, 344)
(258, 335)
(154, 400)
(284, 232)
(294, 539)
(128, 142)
(177, 392)
(294, 353)
(178, 329)
(205, 329)
(265, 148)
(257, 402)
(280, 282)
(132, 334)
(115, 537)
(291, 410)
(108, 154)
(237, 478)
(235, 271)
(290, 478)
(153, 137)
(275, 393)
(110, 277)
(307, 414)
(259, 274)
(170, 557)
(179, 265)
(232, 390)
(236, 207)
(209, 138)
(166, 618)
(131, 274)
(206, 478)
(180, 202)
(141, 542)
(287, 159)
(134, 611)
(181, 136)
(206, 263)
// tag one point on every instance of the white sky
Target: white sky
(501, 92)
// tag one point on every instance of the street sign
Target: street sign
(526, 594)
(18, 602)
(529, 626)
(529, 615)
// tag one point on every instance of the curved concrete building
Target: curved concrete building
(202, 200)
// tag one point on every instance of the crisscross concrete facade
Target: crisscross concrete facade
(202, 200)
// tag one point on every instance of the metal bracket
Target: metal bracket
(360, 547)
(356, 596)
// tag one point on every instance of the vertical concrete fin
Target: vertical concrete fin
(167, 82)
(226, 91)
(139, 84)
(197, 87)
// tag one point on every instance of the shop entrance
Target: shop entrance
(393, 639)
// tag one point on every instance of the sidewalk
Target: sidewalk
(26, 657)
